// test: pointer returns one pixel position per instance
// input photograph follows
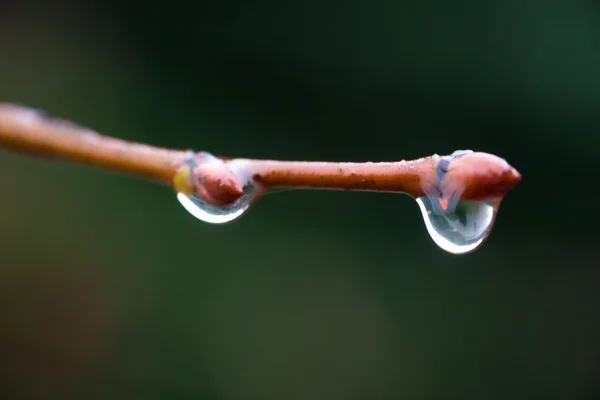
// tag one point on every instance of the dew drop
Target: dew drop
(458, 226)
(219, 214)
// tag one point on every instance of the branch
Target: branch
(30, 131)
(464, 174)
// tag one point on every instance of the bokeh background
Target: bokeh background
(110, 290)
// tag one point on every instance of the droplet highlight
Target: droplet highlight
(458, 226)
(219, 214)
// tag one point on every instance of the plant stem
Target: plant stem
(30, 131)
(465, 175)
(403, 176)
(473, 176)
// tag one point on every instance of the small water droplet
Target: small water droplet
(219, 214)
(458, 226)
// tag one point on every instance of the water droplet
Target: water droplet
(201, 169)
(458, 226)
(219, 214)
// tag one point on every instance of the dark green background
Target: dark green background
(110, 290)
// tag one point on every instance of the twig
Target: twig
(468, 175)
(30, 131)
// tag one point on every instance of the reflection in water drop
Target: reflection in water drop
(219, 214)
(458, 226)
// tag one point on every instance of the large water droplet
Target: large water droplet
(219, 214)
(458, 226)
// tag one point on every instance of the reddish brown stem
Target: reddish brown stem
(473, 176)
(29, 131)
(477, 176)
(403, 176)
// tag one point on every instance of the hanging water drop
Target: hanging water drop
(212, 190)
(460, 205)
(458, 226)
(218, 214)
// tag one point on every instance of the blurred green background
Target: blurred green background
(110, 290)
